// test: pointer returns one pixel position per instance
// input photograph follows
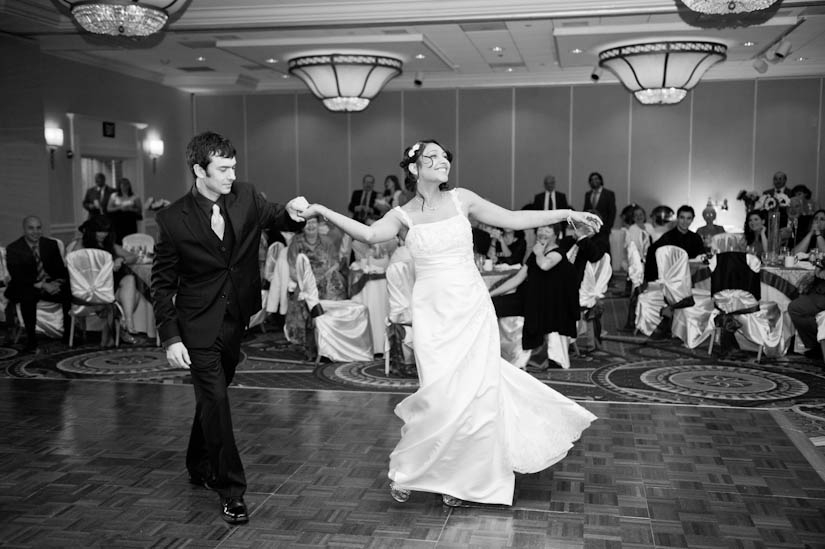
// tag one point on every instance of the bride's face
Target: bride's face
(433, 164)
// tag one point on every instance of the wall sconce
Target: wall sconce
(155, 148)
(54, 140)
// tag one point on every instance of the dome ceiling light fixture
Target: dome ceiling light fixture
(660, 72)
(722, 7)
(345, 82)
(123, 17)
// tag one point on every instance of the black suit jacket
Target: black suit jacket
(355, 200)
(561, 201)
(93, 194)
(23, 269)
(606, 206)
(190, 270)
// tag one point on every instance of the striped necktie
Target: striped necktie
(38, 261)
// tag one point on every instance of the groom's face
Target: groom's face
(218, 175)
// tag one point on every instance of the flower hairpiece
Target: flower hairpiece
(413, 150)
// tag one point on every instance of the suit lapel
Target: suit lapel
(193, 223)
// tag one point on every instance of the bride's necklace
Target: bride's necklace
(425, 206)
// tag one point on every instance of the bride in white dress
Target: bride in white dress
(475, 420)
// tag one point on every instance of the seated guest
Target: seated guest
(680, 236)
(755, 239)
(636, 231)
(323, 258)
(661, 222)
(98, 234)
(547, 294)
(814, 240)
(507, 247)
(709, 229)
(37, 273)
(803, 311)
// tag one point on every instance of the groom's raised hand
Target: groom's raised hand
(296, 206)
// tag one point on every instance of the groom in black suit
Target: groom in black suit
(205, 286)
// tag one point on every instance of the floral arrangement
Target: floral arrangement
(767, 202)
(155, 204)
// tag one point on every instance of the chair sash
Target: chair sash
(91, 276)
(736, 271)
(635, 267)
(595, 281)
(307, 286)
(674, 274)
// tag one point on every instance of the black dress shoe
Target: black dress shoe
(233, 510)
(814, 353)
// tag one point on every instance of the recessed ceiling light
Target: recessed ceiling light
(497, 49)
(271, 60)
(201, 59)
(801, 58)
(576, 50)
(509, 69)
(285, 76)
(749, 44)
(420, 56)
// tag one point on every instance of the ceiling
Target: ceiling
(243, 46)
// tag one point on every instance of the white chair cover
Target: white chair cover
(92, 284)
(342, 330)
(820, 326)
(276, 271)
(596, 279)
(558, 349)
(4, 278)
(509, 331)
(133, 242)
(672, 287)
(726, 242)
(400, 279)
(49, 319)
(762, 328)
(693, 325)
(635, 266)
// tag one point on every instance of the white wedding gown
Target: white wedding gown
(475, 418)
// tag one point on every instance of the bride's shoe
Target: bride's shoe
(451, 501)
(399, 494)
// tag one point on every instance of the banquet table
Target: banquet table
(777, 284)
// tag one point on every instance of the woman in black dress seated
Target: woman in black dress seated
(547, 292)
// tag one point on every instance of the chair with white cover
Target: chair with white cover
(399, 356)
(342, 328)
(276, 273)
(726, 242)
(4, 281)
(736, 296)
(592, 289)
(671, 292)
(93, 289)
(139, 241)
(820, 329)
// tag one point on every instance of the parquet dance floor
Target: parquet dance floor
(89, 464)
(90, 459)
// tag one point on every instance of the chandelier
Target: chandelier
(722, 7)
(345, 82)
(122, 17)
(661, 72)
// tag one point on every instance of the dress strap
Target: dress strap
(404, 216)
(457, 201)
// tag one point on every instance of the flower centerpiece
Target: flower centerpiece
(771, 204)
(749, 198)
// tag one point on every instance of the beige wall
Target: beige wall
(725, 137)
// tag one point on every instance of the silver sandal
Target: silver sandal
(451, 501)
(399, 494)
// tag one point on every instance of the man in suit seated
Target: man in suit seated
(37, 274)
(362, 201)
(550, 198)
(680, 236)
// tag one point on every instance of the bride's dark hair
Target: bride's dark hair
(412, 155)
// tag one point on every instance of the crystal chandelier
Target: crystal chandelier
(721, 7)
(661, 72)
(123, 17)
(345, 82)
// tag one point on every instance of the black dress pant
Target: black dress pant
(212, 453)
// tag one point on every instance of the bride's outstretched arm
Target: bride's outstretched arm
(495, 215)
(383, 229)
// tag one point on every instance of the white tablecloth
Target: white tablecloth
(144, 316)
